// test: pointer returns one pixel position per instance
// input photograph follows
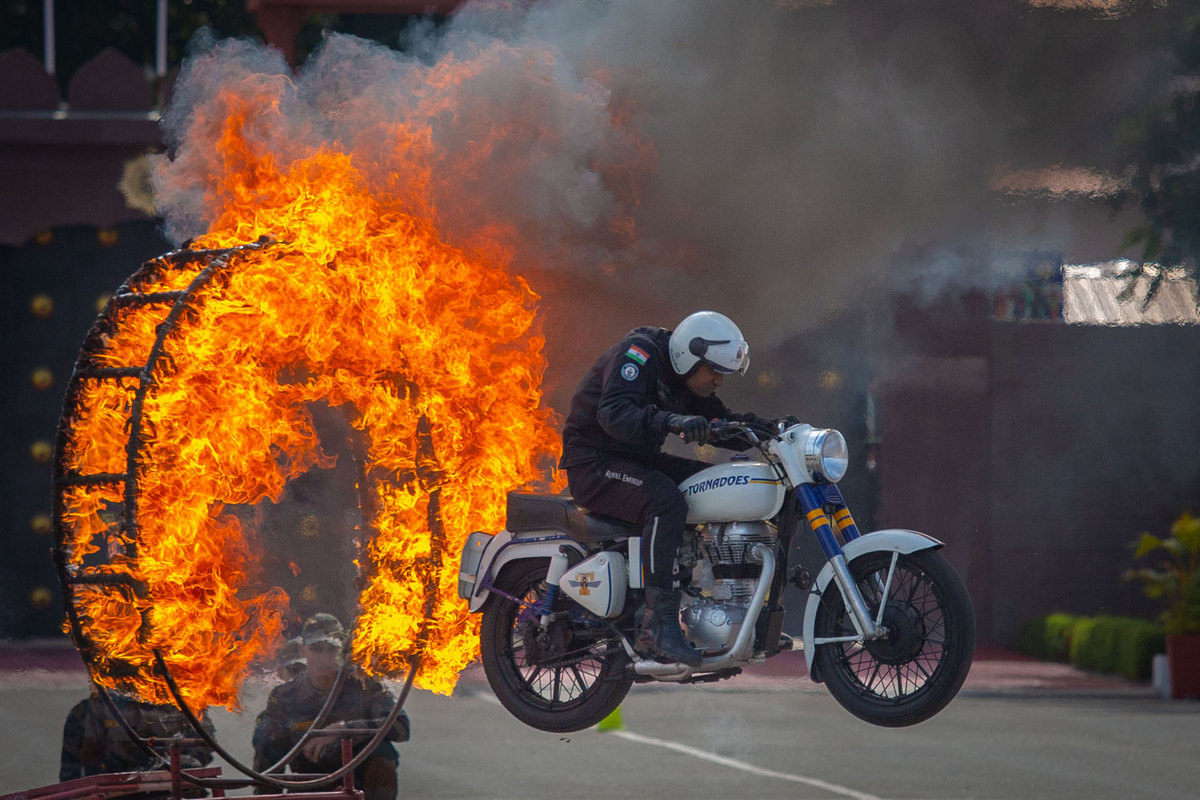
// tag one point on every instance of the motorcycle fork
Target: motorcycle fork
(816, 503)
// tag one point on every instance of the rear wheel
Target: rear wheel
(564, 677)
(918, 668)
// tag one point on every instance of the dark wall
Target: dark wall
(54, 289)
(68, 238)
(934, 470)
(1038, 452)
(1095, 434)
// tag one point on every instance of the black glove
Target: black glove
(787, 422)
(691, 428)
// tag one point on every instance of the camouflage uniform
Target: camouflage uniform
(362, 702)
(94, 742)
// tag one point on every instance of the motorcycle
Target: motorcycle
(888, 625)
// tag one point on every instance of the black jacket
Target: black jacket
(622, 405)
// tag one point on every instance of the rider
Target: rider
(651, 383)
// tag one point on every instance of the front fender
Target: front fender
(891, 540)
(503, 548)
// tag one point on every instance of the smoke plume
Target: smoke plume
(641, 160)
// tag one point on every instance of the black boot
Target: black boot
(660, 636)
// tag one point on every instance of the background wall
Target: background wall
(54, 287)
(1039, 453)
(1094, 439)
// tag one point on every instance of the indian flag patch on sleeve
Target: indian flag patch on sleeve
(637, 354)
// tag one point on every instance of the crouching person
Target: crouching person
(94, 742)
(361, 703)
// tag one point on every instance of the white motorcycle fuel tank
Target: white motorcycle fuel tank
(733, 492)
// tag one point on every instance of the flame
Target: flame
(431, 349)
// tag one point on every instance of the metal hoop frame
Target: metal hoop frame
(182, 308)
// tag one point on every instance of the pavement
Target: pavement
(995, 671)
(769, 734)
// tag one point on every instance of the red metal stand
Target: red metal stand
(175, 783)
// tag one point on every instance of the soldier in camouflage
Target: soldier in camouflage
(94, 741)
(362, 703)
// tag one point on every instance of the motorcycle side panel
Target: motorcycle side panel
(733, 492)
(892, 540)
(504, 547)
(598, 583)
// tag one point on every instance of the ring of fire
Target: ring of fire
(190, 395)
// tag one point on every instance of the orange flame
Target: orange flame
(431, 348)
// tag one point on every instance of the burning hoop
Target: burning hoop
(158, 578)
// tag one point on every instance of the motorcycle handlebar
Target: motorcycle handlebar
(727, 429)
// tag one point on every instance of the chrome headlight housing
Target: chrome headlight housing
(826, 455)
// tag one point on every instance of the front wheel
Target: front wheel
(918, 668)
(563, 677)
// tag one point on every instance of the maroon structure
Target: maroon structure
(62, 164)
(64, 160)
(280, 20)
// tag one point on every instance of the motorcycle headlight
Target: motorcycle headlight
(826, 455)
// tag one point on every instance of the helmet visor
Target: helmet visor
(727, 358)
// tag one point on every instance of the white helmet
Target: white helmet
(712, 338)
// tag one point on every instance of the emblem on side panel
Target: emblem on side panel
(585, 581)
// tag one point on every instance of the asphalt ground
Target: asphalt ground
(1019, 729)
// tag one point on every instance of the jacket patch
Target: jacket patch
(629, 372)
(637, 354)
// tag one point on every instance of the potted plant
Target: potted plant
(1174, 577)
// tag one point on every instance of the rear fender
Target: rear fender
(504, 548)
(892, 540)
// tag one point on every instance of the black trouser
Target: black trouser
(643, 492)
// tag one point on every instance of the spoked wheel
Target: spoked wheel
(918, 668)
(564, 677)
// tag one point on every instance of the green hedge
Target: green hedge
(1048, 637)
(1115, 645)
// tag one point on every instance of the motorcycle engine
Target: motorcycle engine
(717, 599)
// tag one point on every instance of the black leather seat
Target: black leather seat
(528, 513)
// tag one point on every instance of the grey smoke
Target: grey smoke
(768, 159)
